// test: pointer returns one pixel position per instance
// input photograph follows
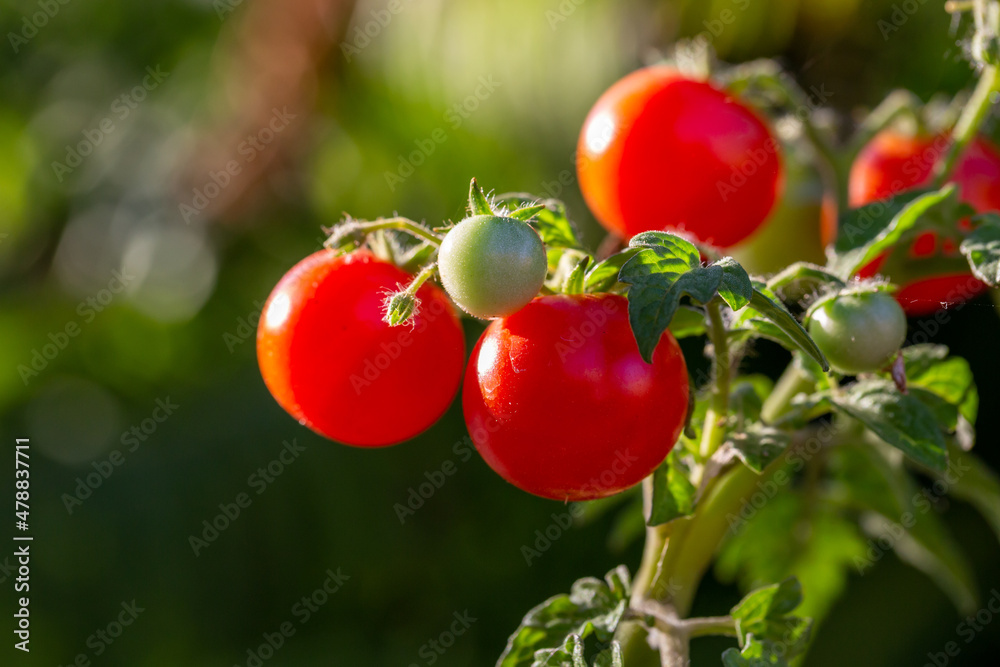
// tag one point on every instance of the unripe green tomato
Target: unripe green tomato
(859, 333)
(492, 266)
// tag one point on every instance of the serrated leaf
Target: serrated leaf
(673, 493)
(736, 288)
(949, 378)
(575, 280)
(768, 602)
(758, 445)
(551, 222)
(755, 654)
(659, 276)
(478, 203)
(773, 311)
(868, 231)
(592, 607)
(604, 275)
(982, 249)
(900, 420)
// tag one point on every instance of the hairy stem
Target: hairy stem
(399, 223)
(714, 430)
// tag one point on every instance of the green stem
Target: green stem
(715, 417)
(793, 381)
(973, 115)
(421, 278)
(399, 223)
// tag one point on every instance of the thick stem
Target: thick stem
(973, 115)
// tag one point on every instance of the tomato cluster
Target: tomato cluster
(933, 274)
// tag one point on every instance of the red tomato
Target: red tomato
(661, 151)
(560, 404)
(892, 163)
(331, 362)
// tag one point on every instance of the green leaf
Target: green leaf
(747, 394)
(551, 222)
(917, 359)
(758, 445)
(526, 213)
(478, 203)
(755, 653)
(667, 270)
(575, 280)
(772, 601)
(687, 322)
(571, 654)
(867, 232)
(673, 493)
(982, 249)
(604, 275)
(592, 607)
(736, 289)
(900, 420)
(950, 378)
(777, 314)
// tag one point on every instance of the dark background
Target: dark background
(179, 329)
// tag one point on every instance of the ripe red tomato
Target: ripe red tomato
(559, 402)
(934, 275)
(332, 363)
(662, 151)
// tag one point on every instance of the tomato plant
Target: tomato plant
(560, 403)
(331, 361)
(663, 151)
(579, 390)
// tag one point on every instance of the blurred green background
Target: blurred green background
(115, 120)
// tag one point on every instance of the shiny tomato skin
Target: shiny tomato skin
(559, 402)
(660, 151)
(894, 162)
(330, 361)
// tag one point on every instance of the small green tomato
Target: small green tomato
(492, 266)
(859, 333)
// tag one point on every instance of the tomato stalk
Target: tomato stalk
(973, 115)
(714, 430)
(353, 228)
(677, 554)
